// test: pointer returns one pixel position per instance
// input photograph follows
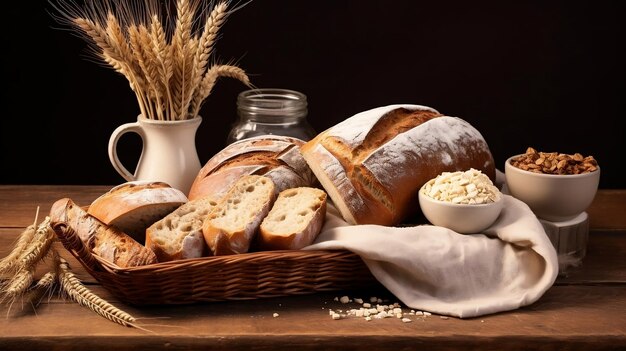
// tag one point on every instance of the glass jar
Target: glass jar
(271, 111)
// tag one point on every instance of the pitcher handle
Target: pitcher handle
(115, 137)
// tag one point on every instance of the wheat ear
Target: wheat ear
(190, 86)
(180, 41)
(117, 40)
(39, 246)
(210, 78)
(143, 56)
(73, 287)
(110, 55)
(206, 43)
(18, 284)
(33, 252)
(152, 68)
(45, 285)
(163, 55)
(10, 261)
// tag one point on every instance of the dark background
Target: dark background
(547, 74)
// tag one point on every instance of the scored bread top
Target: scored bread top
(274, 156)
(381, 121)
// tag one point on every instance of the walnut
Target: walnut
(554, 162)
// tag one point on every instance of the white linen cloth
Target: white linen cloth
(512, 264)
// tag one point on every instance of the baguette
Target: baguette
(105, 241)
(373, 164)
(233, 223)
(133, 206)
(179, 234)
(294, 221)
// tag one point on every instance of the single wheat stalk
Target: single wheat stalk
(45, 285)
(190, 86)
(117, 40)
(163, 54)
(210, 78)
(39, 246)
(147, 68)
(207, 40)
(102, 41)
(9, 263)
(153, 72)
(13, 261)
(181, 38)
(73, 287)
(205, 45)
(18, 284)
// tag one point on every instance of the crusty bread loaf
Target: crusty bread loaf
(133, 206)
(179, 234)
(294, 221)
(373, 164)
(274, 156)
(233, 223)
(105, 241)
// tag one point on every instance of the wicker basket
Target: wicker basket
(219, 278)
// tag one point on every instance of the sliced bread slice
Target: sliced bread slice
(178, 235)
(294, 221)
(233, 223)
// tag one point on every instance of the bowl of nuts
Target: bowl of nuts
(464, 201)
(556, 186)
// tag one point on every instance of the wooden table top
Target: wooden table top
(585, 309)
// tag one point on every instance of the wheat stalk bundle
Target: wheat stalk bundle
(167, 59)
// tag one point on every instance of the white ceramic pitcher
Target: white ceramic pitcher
(168, 155)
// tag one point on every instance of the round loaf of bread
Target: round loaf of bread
(273, 156)
(133, 206)
(373, 164)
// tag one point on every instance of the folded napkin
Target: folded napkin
(512, 264)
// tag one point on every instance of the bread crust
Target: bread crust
(105, 241)
(373, 164)
(133, 206)
(277, 157)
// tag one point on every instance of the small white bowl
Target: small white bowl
(462, 218)
(553, 197)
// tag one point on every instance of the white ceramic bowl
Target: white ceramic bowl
(462, 218)
(552, 197)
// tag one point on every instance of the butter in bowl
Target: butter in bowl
(464, 201)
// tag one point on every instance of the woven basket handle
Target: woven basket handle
(72, 242)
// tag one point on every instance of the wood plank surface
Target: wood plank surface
(584, 310)
(608, 210)
(18, 203)
(580, 315)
